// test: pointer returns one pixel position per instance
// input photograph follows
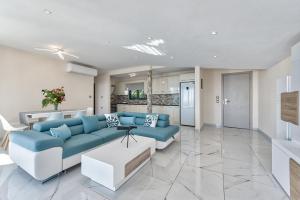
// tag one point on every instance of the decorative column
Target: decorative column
(149, 91)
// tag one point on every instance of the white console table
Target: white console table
(282, 152)
(29, 118)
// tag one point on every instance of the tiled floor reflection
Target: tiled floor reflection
(215, 164)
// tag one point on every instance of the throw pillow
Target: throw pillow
(63, 132)
(127, 120)
(112, 120)
(90, 123)
(151, 120)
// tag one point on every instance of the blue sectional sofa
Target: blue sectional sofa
(42, 155)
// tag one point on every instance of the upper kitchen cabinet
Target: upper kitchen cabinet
(120, 88)
(165, 85)
(173, 84)
(187, 77)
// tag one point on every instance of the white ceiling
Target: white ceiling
(251, 33)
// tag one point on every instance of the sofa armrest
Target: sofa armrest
(35, 141)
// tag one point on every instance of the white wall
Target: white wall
(212, 111)
(23, 75)
(267, 95)
(295, 86)
(103, 93)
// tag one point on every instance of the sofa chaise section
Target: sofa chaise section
(38, 154)
(163, 133)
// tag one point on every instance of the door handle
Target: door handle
(226, 101)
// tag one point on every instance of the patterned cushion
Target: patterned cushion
(112, 120)
(151, 120)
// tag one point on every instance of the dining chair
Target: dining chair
(7, 127)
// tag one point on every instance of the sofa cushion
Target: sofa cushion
(112, 120)
(63, 132)
(108, 134)
(158, 133)
(78, 129)
(127, 120)
(90, 123)
(35, 141)
(161, 123)
(163, 117)
(80, 143)
(151, 120)
(46, 125)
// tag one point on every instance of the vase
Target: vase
(55, 106)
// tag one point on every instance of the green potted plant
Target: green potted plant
(53, 97)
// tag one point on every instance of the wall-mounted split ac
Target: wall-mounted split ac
(80, 69)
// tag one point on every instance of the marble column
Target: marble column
(149, 91)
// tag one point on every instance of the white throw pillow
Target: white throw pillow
(151, 120)
(112, 120)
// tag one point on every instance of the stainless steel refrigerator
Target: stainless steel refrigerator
(187, 103)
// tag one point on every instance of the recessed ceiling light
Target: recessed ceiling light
(215, 56)
(214, 32)
(47, 12)
(149, 38)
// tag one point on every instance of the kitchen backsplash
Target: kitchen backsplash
(157, 99)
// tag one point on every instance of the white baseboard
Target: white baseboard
(264, 134)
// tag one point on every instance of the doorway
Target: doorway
(237, 100)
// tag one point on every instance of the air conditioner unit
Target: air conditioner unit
(79, 69)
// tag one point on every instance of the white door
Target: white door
(236, 100)
(187, 103)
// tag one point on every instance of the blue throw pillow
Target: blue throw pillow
(90, 123)
(63, 132)
(127, 120)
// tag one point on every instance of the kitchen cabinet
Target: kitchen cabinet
(165, 85)
(172, 111)
(172, 84)
(131, 108)
(120, 88)
(187, 77)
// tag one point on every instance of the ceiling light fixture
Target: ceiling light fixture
(149, 38)
(215, 56)
(132, 75)
(47, 12)
(214, 32)
(61, 53)
(156, 42)
(145, 49)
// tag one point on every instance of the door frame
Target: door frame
(250, 97)
(180, 103)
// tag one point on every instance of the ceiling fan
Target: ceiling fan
(61, 53)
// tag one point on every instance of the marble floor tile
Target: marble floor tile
(211, 164)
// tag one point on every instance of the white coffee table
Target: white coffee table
(113, 164)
